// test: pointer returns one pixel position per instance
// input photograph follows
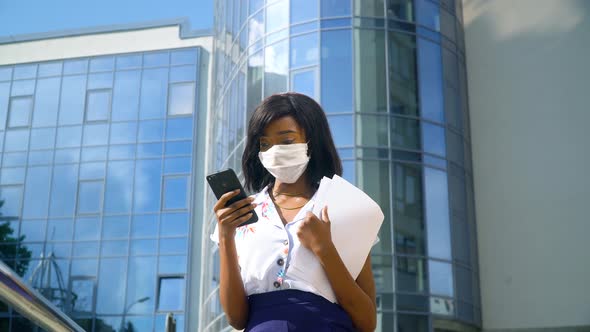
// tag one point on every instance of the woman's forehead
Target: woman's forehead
(282, 126)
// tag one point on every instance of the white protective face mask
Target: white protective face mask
(286, 162)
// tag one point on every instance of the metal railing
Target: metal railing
(29, 303)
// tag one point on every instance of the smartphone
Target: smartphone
(226, 181)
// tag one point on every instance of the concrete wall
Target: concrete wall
(528, 65)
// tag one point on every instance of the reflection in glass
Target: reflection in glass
(172, 265)
(400, 10)
(414, 323)
(182, 99)
(147, 186)
(372, 130)
(32, 230)
(183, 74)
(174, 224)
(151, 131)
(171, 294)
(50, 69)
(176, 192)
(144, 226)
(277, 16)
(83, 293)
(141, 282)
(304, 10)
(370, 80)
(431, 90)
(276, 68)
(46, 102)
(341, 127)
(254, 84)
(95, 134)
(177, 165)
(403, 83)
(119, 187)
(69, 137)
(304, 50)
(373, 8)
(23, 88)
(73, 97)
(117, 152)
(410, 274)
(154, 90)
(63, 191)
(98, 105)
(143, 247)
(123, 132)
(156, 59)
(441, 278)
(129, 61)
(410, 237)
(405, 133)
(100, 81)
(179, 128)
(4, 102)
(331, 8)
(428, 14)
(336, 70)
(433, 139)
(87, 228)
(184, 57)
(36, 201)
(60, 229)
(111, 286)
(42, 138)
(104, 63)
(173, 246)
(305, 82)
(20, 111)
(16, 140)
(24, 71)
(77, 66)
(126, 95)
(437, 213)
(115, 227)
(90, 197)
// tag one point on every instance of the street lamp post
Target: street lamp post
(143, 299)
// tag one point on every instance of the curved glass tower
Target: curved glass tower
(390, 75)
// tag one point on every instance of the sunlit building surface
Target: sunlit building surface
(98, 174)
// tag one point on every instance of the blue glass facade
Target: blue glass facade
(390, 75)
(96, 185)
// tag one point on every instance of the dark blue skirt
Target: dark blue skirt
(294, 310)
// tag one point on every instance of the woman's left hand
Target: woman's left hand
(314, 233)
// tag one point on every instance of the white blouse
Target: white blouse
(265, 249)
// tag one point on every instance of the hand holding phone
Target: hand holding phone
(236, 204)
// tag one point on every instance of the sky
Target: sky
(19, 17)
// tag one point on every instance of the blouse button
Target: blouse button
(276, 284)
(286, 242)
(280, 262)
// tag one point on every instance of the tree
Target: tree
(12, 252)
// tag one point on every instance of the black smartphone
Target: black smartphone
(226, 181)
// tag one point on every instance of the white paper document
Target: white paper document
(355, 220)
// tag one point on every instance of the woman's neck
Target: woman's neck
(299, 187)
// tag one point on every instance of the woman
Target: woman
(289, 149)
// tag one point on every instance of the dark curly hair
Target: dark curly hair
(309, 115)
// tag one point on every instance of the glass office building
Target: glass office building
(96, 185)
(390, 75)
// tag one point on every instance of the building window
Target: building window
(90, 197)
(170, 294)
(98, 105)
(175, 192)
(182, 99)
(20, 112)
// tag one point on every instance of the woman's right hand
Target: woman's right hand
(230, 217)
